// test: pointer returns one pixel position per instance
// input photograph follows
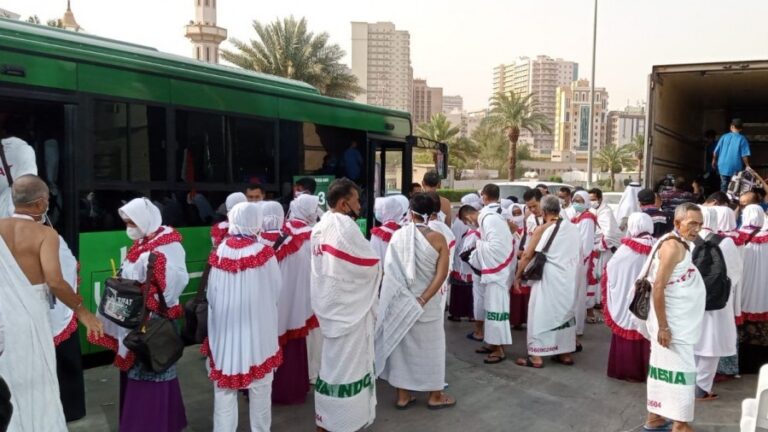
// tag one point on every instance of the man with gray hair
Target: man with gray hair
(674, 322)
(30, 276)
(552, 307)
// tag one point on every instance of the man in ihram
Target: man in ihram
(674, 324)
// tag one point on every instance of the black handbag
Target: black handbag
(6, 407)
(156, 342)
(123, 300)
(640, 305)
(534, 271)
(196, 313)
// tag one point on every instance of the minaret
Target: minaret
(203, 32)
(68, 20)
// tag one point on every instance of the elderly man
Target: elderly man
(494, 257)
(410, 338)
(674, 322)
(345, 280)
(551, 315)
(242, 347)
(30, 273)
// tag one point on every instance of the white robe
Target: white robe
(585, 295)
(754, 296)
(410, 340)
(21, 160)
(243, 290)
(618, 280)
(346, 273)
(551, 314)
(295, 317)
(607, 236)
(380, 237)
(450, 240)
(672, 371)
(28, 363)
(63, 320)
(493, 256)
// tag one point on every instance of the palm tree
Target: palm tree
(288, 49)
(613, 159)
(440, 129)
(513, 113)
(637, 148)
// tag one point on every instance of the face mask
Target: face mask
(298, 194)
(594, 204)
(579, 207)
(562, 202)
(518, 220)
(351, 213)
(134, 233)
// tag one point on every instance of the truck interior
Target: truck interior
(687, 100)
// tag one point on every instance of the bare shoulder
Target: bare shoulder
(436, 239)
(673, 249)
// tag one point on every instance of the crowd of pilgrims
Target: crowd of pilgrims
(303, 298)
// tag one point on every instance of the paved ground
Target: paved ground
(502, 397)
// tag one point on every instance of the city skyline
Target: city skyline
(457, 47)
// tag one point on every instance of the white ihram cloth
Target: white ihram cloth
(551, 315)
(672, 371)
(493, 256)
(410, 341)
(622, 271)
(459, 268)
(28, 363)
(345, 280)
(628, 204)
(754, 296)
(607, 236)
(450, 240)
(586, 225)
(295, 317)
(478, 290)
(21, 160)
(63, 320)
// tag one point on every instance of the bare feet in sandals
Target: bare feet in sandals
(440, 400)
(530, 361)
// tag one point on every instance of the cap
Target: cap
(646, 196)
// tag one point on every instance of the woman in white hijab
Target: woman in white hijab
(460, 295)
(219, 230)
(388, 211)
(586, 221)
(630, 351)
(242, 345)
(273, 218)
(149, 401)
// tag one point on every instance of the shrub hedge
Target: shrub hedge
(454, 195)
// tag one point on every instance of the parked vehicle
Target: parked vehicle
(518, 188)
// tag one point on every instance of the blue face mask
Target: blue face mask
(579, 207)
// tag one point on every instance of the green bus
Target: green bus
(111, 121)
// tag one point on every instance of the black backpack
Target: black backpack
(708, 258)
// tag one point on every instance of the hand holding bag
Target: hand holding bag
(534, 271)
(640, 305)
(156, 342)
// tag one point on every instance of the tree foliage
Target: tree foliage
(493, 148)
(612, 159)
(287, 48)
(513, 113)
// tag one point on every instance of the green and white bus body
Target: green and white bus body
(111, 121)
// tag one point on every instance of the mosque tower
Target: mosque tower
(68, 21)
(203, 32)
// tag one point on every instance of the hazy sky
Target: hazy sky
(455, 44)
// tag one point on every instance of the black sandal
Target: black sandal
(494, 358)
(484, 350)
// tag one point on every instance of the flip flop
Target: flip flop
(558, 359)
(494, 359)
(667, 426)
(527, 362)
(446, 403)
(708, 397)
(483, 350)
(407, 404)
(471, 336)
(579, 348)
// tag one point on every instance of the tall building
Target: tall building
(68, 21)
(624, 126)
(427, 101)
(452, 103)
(474, 118)
(572, 120)
(381, 61)
(203, 32)
(540, 76)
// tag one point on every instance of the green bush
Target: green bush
(454, 195)
(556, 179)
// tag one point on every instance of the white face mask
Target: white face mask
(134, 233)
(518, 220)
(594, 204)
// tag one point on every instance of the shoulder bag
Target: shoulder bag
(196, 312)
(535, 268)
(6, 167)
(641, 301)
(122, 300)
(156, 342)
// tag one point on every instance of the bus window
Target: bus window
(129, 142)
(253, 150)
(200, 154)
